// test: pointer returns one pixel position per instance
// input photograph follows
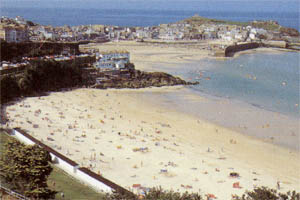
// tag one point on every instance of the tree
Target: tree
(9, 88)
(24, 85)
(264, 193)
(155, 194)
(26, 168)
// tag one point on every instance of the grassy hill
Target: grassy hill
(198, 20)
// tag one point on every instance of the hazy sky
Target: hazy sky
(238, 5)
(135, 3)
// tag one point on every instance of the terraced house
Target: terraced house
(14, 33)
(112, 60)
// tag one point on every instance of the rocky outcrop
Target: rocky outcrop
(289, 32)
(139, 79)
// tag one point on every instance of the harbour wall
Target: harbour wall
(84, 175)
(231, 50)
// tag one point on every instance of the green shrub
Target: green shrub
(9, 88)
(26, 169)
(264, 193)
(41, 76)
(156, 194)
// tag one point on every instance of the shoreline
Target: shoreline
(267, 130)
(113, 125)
(262, 124)
(155, 143)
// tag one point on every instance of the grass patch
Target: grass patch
(197, 20)
(72, 189)
(62, 182)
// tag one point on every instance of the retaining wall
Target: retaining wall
(86, 176)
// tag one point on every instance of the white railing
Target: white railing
(13, 193)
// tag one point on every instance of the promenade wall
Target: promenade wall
(84, 175)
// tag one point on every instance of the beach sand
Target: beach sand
(129, 140)
(154, 57)
(244, 118)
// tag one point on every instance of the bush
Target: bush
(261, 193)
(9, 88)
(156, 194)
(264, 193)
(41, 76)
(26, 168)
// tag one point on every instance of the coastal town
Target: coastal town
(214, 35)
(194, 28)
(134, 140)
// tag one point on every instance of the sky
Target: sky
(156, 4)
(229, 9)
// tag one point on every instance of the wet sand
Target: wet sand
(150, 57)
(271, 127)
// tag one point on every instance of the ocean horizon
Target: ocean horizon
(146, 14)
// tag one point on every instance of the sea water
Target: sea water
(266, 80)
(149, 13)
(255, 94)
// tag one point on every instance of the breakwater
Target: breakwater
(231, 50)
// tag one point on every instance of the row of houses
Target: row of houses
(108, 64)
(112, 59)
(14, 33)
(19, 30)
(12, 67)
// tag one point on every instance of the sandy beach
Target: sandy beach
(131, 139)
(152, 56)
(245, 118)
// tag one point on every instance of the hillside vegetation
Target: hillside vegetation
(267, 25)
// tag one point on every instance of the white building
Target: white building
(20, 20)
(50, 35)
(14, 34)
(112, 59)
(252, 36)
(142, 34)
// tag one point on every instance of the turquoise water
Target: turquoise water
(254, 94)
(265, 80)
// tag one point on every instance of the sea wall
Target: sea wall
(231, 50)
(82, 174)
(273, 43)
